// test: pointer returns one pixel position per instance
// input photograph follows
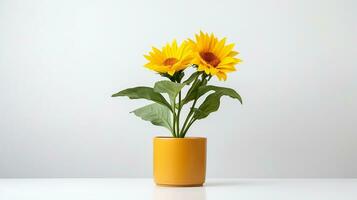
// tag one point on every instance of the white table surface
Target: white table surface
(220, 189)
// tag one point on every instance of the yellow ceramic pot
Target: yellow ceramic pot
(180, 161)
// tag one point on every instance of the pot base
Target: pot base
(169, 185)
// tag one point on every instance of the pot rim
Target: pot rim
(175, 138)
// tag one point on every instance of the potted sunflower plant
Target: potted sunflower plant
(181, 160)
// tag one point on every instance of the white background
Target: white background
(61, 60)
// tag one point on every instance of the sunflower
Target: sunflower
(171, 59)
(213, 56)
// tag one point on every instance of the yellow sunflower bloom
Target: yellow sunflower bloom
(171, 59)
(213, 56)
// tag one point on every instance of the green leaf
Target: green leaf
(212, 101)
(194, 92)
(221, 91)
(192, 78)
(180, 75)
(211, 104)
(143, 93)
(169, 87)
(157, 114)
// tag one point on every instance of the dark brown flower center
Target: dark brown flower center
(170, 61)
(210, 58)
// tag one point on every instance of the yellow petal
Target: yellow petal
(219, 46)
(233, 53)
(171, 72)
(222, 76)
(225, 51)
(214, 71)
(207, 70)
(228, 60)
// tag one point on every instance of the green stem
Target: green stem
(182, 134)
(187, 122)
(174, 119)
(188, 93)
(190, 120)
(189, 125)
(178, 115)
(193, 85)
